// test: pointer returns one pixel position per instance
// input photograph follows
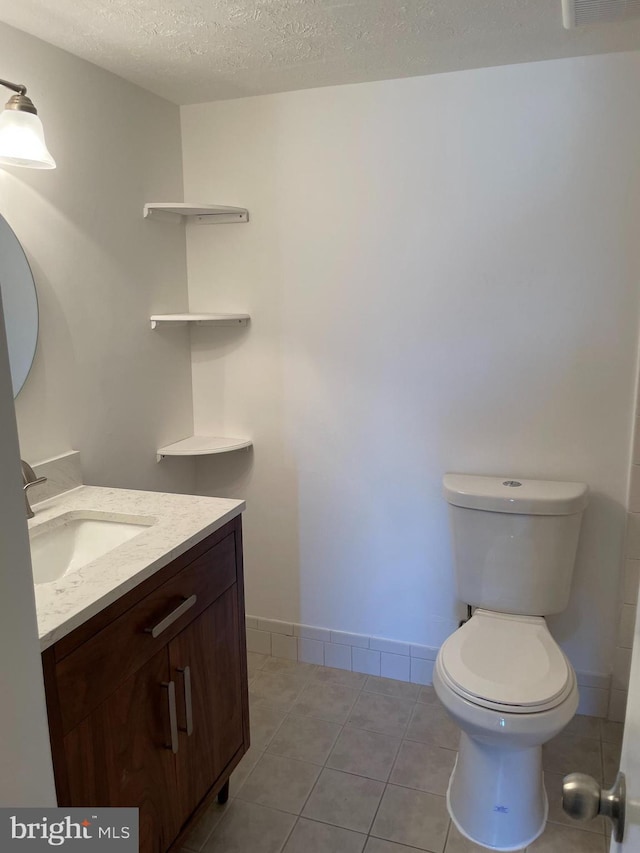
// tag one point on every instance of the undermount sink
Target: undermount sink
(72, 540)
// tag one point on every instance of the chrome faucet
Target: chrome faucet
(29, 479)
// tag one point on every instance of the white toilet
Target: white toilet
(501, 676)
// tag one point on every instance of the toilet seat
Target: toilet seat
(506, 662)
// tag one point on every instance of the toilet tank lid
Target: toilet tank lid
(513, 494)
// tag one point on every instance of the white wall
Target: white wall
(628, 589)
(102, 382)
(442, 275)
(26, 778)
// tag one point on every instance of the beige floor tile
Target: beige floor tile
(412, 818)
(583, 726)
(379, 845)
(264, 723)
(309, 836)
(201, 829)
(280, 783)
(345, 677)
(387, 715)
(344, 800)
(305, 738)
(568, 753)
(432, 724)
(610, 762)
(304, 670)
(611, 732)
(428, 696)
(562, 839)
(255, 662)
(276, 689)
(364, 753)
(297, 712)
(391, 687)
(553, 784)
(331, 702)
(247, 763)
(250, 827)
(423, 766)
(457, 843)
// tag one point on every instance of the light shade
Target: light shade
(22, 141)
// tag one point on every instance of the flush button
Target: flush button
(511, 483)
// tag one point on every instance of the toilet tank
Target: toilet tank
(514, 541)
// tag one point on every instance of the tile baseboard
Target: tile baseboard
(403, 661)
(341, 650)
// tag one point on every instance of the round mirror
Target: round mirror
(20, 304)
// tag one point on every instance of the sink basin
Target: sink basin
(72, 540)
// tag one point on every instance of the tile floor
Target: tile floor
(345, 763)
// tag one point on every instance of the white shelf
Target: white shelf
(203, 445)
(200, 319)
(213, 213)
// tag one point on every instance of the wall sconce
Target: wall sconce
(21, 132)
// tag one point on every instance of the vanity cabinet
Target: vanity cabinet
(147, 700)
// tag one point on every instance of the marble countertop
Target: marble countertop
(176, 523)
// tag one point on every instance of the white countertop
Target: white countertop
(179, 522)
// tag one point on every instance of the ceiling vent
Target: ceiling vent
(576, 13)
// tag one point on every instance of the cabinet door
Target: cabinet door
(212, 688)
(119, 755)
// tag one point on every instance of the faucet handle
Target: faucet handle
(29, 479)
(37, 482)
(28, 474)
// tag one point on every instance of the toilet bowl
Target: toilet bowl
(510, 689)
(501, 676)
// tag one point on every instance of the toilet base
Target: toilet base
(496, 797)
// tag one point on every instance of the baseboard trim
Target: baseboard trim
(410, 662)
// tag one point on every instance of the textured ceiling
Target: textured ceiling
(191, 51)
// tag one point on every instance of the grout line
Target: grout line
(270, 741)
(408, 846)
(333, 746)
(290, 833)
(446, 838)
(375, 815)
(313, 787)
(434, 745)
(395, 761)
(418, 790)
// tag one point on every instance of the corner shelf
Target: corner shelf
(203, 445)
(217, 214)
(199, 445)
(200, 319)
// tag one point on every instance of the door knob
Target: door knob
(584, 799)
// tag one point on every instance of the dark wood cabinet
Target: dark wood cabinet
(117, 756)
(147, 701)
(206, 669)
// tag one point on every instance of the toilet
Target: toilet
(501, 677)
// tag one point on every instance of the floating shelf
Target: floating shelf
(218, 214)
(200, 319)
(203, 445)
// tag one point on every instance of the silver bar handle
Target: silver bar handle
(173, 716)
(188, 704)
(187, 604)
